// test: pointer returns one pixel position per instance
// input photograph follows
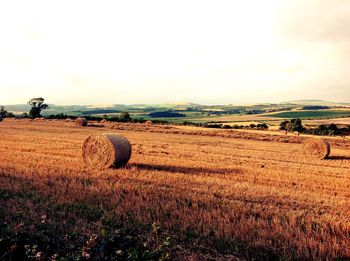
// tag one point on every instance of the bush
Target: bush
(60, 116)
(262, 126)
(215, 126)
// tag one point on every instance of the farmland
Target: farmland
(312, 114)
(338, 121)
(179, 113)
(187, 193)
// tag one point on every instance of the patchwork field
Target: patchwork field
(312, 114)
(338, 121)
(186, 194)
(239, 119)
(311, 117)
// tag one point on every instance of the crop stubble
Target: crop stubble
(224, 191)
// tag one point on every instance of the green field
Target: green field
(315, 114)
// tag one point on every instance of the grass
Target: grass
(314, 114)
(186, 195)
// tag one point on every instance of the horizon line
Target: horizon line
(190, 103)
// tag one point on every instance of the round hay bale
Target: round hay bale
(316, 149)
(148, 123)
(81, 122)
(106, 151)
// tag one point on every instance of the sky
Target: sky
(210, 52)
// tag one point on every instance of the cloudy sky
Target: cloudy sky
(103, 52)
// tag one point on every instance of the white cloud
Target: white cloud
(158, 51)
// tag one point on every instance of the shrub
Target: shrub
(262, 126)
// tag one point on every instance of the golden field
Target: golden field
(186, 194)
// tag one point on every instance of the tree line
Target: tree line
(37, 105)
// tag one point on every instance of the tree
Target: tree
(331, 129)
(3, 112)
(292, 125)
(297, 125)
(283, 125)
(37, 106)
(125, 116)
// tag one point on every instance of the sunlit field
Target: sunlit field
(313, 114)
(186, 194)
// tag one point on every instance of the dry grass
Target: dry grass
(218, 194)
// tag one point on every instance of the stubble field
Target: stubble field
(185, 194)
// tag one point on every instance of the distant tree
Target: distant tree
(4, 113)
(24, 115)
(314, 107)
(297, 125)
(331, 129)
(60, 116)
(283, 125)
(292, 125)
(125, 116)
(37, 106)
(262, 126)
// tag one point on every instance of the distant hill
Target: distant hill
(180, 106)
(319, 103)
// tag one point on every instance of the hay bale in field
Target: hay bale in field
(104, 121)
(316, 149)
(68, 120)
(105, 151)
(81, 122)
(148, 123)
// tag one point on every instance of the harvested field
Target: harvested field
(185, 194)
(338, 121)
(238, 119)
(312, 114)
